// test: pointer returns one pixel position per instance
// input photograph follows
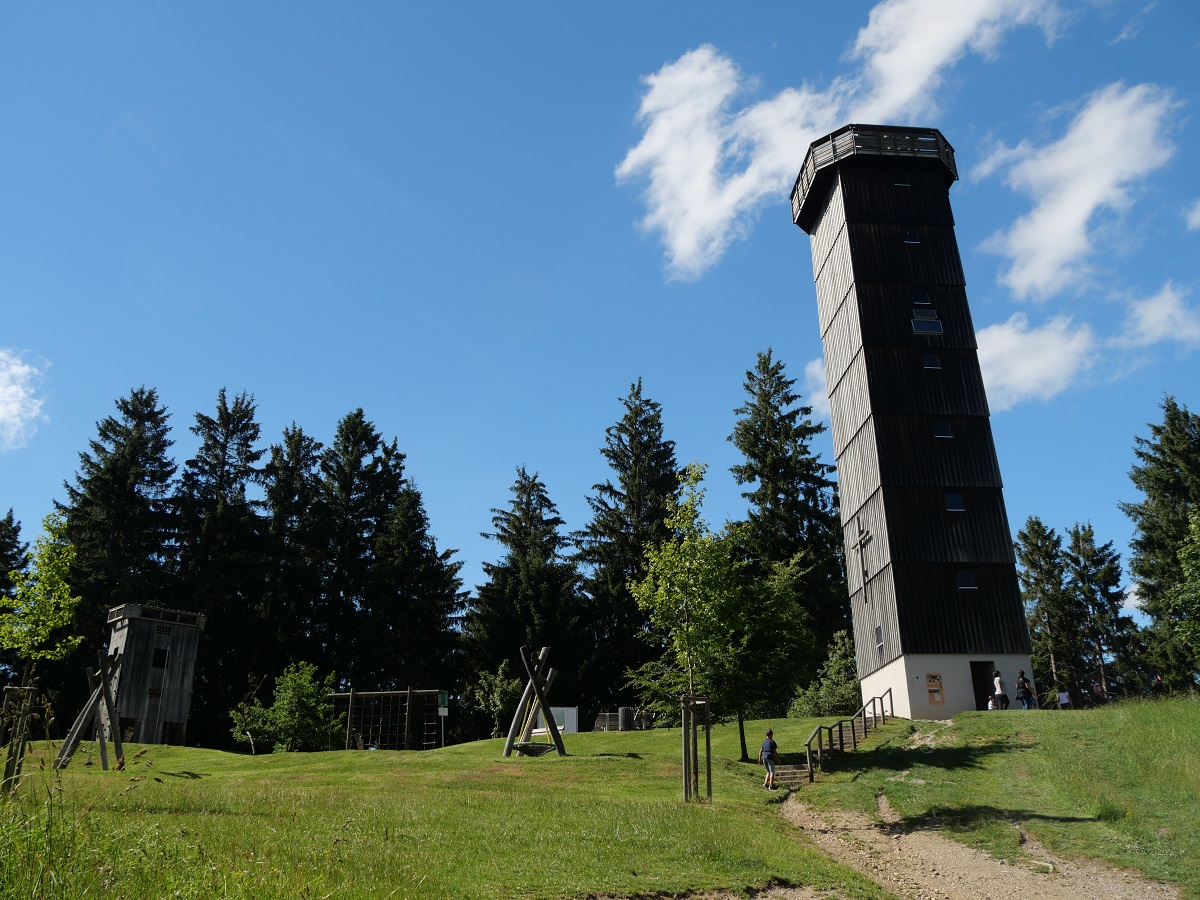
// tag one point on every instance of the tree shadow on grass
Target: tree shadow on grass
(621, 755)
(966, 818)
(184, 774)
(900, 758)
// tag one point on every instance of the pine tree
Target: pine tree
(121, 519)
(792, 501)
(223, 563)
(1057, 616)
(531, 596)
(629, 512)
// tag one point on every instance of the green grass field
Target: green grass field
(1119, 784)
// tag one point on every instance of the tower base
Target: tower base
(938, 686)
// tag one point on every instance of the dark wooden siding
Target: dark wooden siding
(841, 340)
(870, 193)
(886, 314)
(834, 282)
(927, 532)
(909, 453)
(900, 383)
(858, 470)
(881, 255)
(849, 404)
(875, 609)
(874, 556)
(936, 616)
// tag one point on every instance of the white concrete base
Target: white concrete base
(937, 686)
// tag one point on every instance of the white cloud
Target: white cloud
(1163, 317)
(708, 166)
(1022, 363)
(1192, 216)
(20, 408)
(815, 387)
(907, 44)
(1118, 138)
(1133, 599)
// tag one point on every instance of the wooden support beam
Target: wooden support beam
(535, 681)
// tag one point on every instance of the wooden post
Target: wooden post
(526, 697)
(110, 708)
(708, 746)
(686, 750)
(534, 681)
(98, 723)
(349, 718)
(408, 719)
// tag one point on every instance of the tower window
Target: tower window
(931, 361)
(911, 237)
(941, 429)
(966, 580)
(903, 184)
(926, 326)
(920, 296)
(879, 638)
(954, 503)
(160, 658)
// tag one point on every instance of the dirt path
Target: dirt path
(924, 865)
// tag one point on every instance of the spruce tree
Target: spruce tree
(531, 596)
(1057, 616)
(121, 519)
(629, 512)
(793, 513)
(362, 477)
(223, 565)
(297, 538)
(1094, 576)
(1168, 475)
(407, 627)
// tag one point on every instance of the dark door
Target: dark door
(981, 681)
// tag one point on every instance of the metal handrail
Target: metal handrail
(879, 715)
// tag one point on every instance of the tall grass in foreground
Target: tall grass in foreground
(1119, 783)
(459, 822)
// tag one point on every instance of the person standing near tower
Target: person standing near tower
(1001, 696)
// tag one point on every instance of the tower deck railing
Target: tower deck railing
(868, 140)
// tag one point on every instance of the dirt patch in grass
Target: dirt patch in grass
(918, 863)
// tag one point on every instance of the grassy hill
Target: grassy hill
(1119, 783)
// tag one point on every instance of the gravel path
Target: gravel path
(923, 865)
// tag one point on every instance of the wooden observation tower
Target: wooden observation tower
(929, 555)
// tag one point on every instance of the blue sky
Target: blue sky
(481, 225)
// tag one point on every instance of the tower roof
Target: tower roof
(862, 142)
